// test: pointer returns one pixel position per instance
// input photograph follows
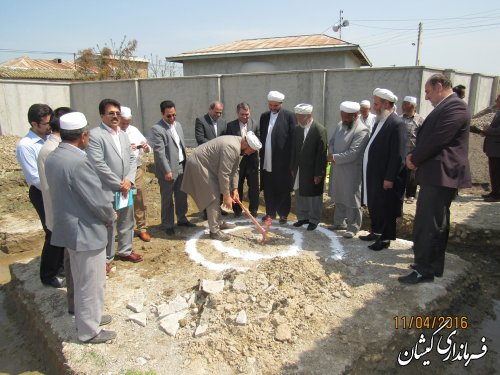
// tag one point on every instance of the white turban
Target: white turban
(275, 96)
(349, 107)
(126, 112)
(303, 109)
(385, 94)
(365, 103)
(410, 99)
(73, 121)
(253, 141)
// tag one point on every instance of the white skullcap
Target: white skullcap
(126, 112)
(253, 141)
(410, 99)
(303, 109)
(365, 103)
(275, 96)
(73, 121)
(385, 94)
(349, 107)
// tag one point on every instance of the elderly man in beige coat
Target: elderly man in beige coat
(212, 170)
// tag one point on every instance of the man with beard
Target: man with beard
(384, 172)
(276, 131)
(346, 149)
(367, 118)
(308, 165)
(441, 160)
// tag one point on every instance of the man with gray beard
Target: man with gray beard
(345, 153)
(384, 172)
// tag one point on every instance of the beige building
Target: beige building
(303, 52)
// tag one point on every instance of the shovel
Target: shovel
(259, 227)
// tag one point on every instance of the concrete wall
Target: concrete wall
(18, 96)
(324, 89)
(271, 63)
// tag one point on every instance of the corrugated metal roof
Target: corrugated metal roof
(279, 45)
(27, 68)
(315, 40)
(25, 62)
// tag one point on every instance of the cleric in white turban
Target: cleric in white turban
(303, 109)
(349, 107)
(275, 96)
(73, 121)
(253, 141)
(385, 94)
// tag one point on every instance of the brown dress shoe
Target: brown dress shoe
(133, 257)
(145, 236)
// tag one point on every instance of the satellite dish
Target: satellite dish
(345, 23)
(336, 27)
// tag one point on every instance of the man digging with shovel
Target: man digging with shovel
(211, 170)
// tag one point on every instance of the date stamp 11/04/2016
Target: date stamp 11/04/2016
(430, 322)
(445, 345)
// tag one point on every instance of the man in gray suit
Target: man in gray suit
(110, 152)
(81, 213)
(167, 138)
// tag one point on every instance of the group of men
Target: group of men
(91, 180)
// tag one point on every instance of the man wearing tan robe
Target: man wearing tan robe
(212, 170)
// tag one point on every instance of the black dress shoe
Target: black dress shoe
(369, 237)
(103, 337)
(254, 214)
(379, 245)
(312, 226)
(187, 224)
(492, 198)
(300, 223)
(415, 278)
(170, 231)
(55, 282)
(486, 195)
(283, 220)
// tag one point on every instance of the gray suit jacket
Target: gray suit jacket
(81, 209)
(109, 165)
(166, 152)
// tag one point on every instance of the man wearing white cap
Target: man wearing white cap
(110, 152)
(276, 132)
(345, 153)
(308, 163)
(367, 118)
(82, 211)
(384, 172)
(212, 170)
(413, 121)
(139, 146)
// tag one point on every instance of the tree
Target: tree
(109, 62)
(159, 68)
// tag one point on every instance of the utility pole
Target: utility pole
(417, 59)
(340, 24)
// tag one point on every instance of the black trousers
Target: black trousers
(494, 165)
(431, 228)
(278, 199)
(411, 184)
(52, 258)
(252, 176)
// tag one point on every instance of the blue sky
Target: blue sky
(461, 35)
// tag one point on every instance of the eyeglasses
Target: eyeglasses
(44, 123)
(118, 114)
(170, 116)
